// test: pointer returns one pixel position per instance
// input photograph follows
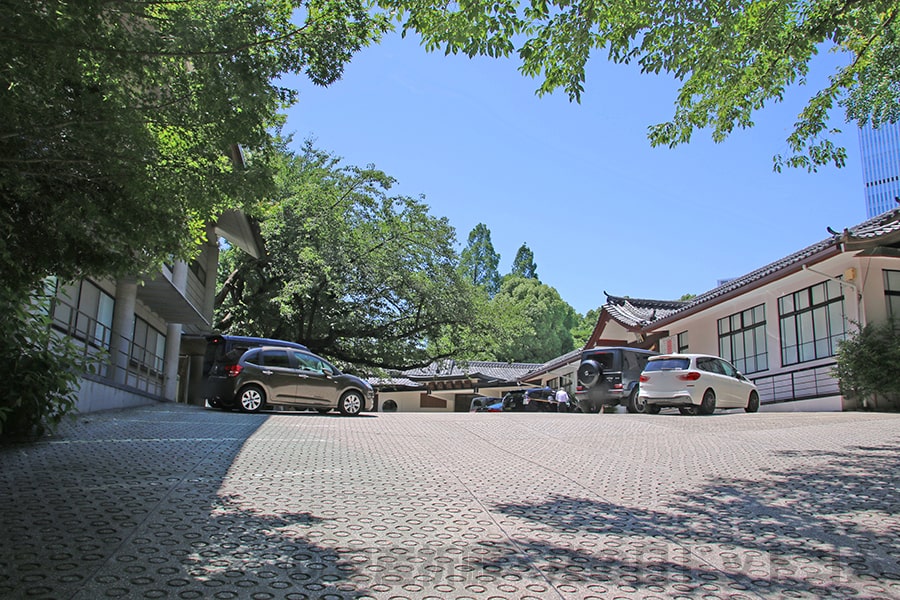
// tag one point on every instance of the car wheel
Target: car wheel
(753, 403)
(590, 373)
(251, 398)
(323, 411)
(351, 403)
(652, 409)
(636, 404)
(708, 404)
(689, 411)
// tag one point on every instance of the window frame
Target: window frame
(85, 311)
(891, 295)
(146, 354)
(802, 315)
(681, 342)
(749, 328)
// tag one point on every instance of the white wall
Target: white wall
(702, 327)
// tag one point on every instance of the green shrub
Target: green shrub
(868, 363)
(40, 369)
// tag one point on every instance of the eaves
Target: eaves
(757, 279)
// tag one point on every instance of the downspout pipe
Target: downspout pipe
(860, 308)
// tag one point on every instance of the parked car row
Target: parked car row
(522, 400)
(646, 382)
(251, 374)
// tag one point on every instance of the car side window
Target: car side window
(727, 369)
(253, 358)
(308, 362)
(275, 358)
(709, 365)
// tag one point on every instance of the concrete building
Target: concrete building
(132, 326)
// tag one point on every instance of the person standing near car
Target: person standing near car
(562, 400)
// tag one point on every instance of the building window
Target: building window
(892, 293)
(85, 312)
(682, 342)
(198, 270)
(742, 340)
(148, 349)
(812, 322)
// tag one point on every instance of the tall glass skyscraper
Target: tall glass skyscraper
(880, 154)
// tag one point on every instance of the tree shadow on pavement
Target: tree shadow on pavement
(174, 502)
(826, 531)
(128, 504)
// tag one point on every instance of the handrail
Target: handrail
(799, 384)
(143, 369)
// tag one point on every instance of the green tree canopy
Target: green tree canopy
(523, 264)
(352, 273)
(730, 57)
(121, 121)
(526, 321)
(544, 320)
(478, 262)
(584, 326)
(494, 327)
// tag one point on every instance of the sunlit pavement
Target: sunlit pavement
(175, 501)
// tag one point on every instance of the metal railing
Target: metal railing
(800, 384)
(137, 366)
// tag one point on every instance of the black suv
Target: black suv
(610, 376)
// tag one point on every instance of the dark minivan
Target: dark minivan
(222, 354)
(275, 376)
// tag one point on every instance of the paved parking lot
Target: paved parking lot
(175, 501)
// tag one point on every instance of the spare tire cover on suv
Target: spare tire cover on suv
(590, 373)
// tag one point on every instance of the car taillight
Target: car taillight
(690, 376)
(579, 388)
(644, 379)
(233, 370)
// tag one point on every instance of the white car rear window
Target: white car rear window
(668, 364)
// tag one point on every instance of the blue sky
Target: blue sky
(579, 183)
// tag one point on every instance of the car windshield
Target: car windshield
(668, 364)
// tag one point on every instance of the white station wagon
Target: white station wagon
(695, 384)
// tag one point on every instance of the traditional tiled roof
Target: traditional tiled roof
(637, 312)
(559, 361)
(884, 228)
(449, 370)
(402, 382)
